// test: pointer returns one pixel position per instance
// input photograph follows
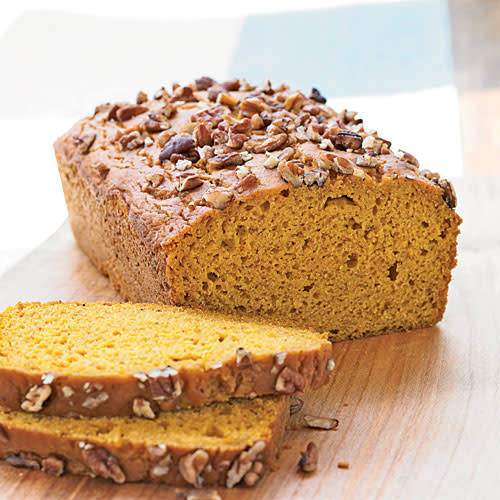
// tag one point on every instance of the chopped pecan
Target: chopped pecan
(161, 93)
(343, 165)
(227, 100)
(279, 359)
(243, 358)
(248, 182)
(271, 162)
(132, 140)
(321, 422)
(231, 85)
(257, 122)
(242, 126)
(203, 135)
(142, 408)
(294, 102)
(155, 179)
(217, 199)
(348, 140)
(403, 155)
(330, 365)
(369, 159)
(252, 105)
(190, 182)
(204, 83)
(129, 111)
(242, 171)
(290, 382)
(181, 162)
(309, 458)
(296, 405)
(244, 463)
(53, 466)
(266, 87)
(22, 462)
(449, 194)
(164, 137)
(112, 112)
(176, 145)
(67, 391)
(315, 95)
(161, 468)
(224, 160)
(92, 402)
(141, 98)
(184, 94)
(292, 172)
(315, 177)
(164, 384)
(213, 92)
(152, 125)
(236, 141)
(268, 144)
(191, 467)
(102, 463)
(36, 397)
(84, 142)
(312, 133)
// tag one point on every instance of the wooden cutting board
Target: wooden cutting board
(419, 412)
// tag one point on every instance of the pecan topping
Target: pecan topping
(294, 102)
(271, 162)
(369, 159)
(252, 105)
(268, 144)
(279, 359)
(315, 177)
(160, 94)
(213, 92)
(126, 112)
(296, 405)
(236, 141)
(102, 463)
(92, 402)
(218, 199)
(343, 165)
(184, 94)
(403, 155)
(309, 458)
(161, 468)
(330, 365)
(243, 358)
(84, 142)
(227, 100)
(142, 408)
(321, 422)
(190, 182)
(164, 384)
(203, 135)
(53, 466)
(132, 140)
(292, 172)
(242, 171)
(256, 122)
(191, 467)
(242, 126)
(231, 85)
(153, 125)
(290, 382)
(141, 98)
(449, 194)
(248, 182)
(348, 140)
(315, 95)
(24, 463)
(36, 397)
(225, 160)
(164, 137)
(155, 179)
(244, 464)
(204, 83)
(177, 145)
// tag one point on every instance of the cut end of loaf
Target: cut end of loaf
(352, 258)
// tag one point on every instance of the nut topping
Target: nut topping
(22, 462)
(203, 135)
(244, 464)
(449, 195)
(330, 365)
(292, 172)
(315, 177)
(164, 384)
(315, 95)
(204, 83)
(84, 142)
(53, 466)
(252, 105)
(102, 463)
(142, 408)
(367, 160)
(131, 141)
(141, 98)
(126, 112)
(191, 467)
(296, 405)
(309, 458)
(189, 182)
(36, 397)
(403, 155)
(290, 382)
(343, 165)
(217, 199)
(92, 402)
(224, 160)
(321, 422)
(243, 358)
(348, 140)
(279, 359)
(177, 145)
(268, 144)
(242, 171)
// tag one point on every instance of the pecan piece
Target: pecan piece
(268, 144)
(242, 126)
(84, 142)
(248, 182)
(24, 463)
(161, 468)
(348, 140)
(236, 141)
(102, 463)
(252, 105)
(224, 160)
(126, 112)
(204, 83)
(309, 458)
(217, 199)
(330, 365)
(191, 467)
(184, 94)
(294, 102)
(141, 98)
(244, 464)
(227, 100)
(292, 172)
(190, 182)
(92, 402)
(296, 405)
(36, 397)
(243, 358)
(132, 140)
(231, 85)
(53, 466)
(449, 194)
(213, 92)
(290, 382)
(315, 177)
(203, 135)
(153, 125)
(343, 165)
(403, 155)
(315, 95)
(164, 384)
(142, 408)
(321, 422)
(177, 145)
(369, 159)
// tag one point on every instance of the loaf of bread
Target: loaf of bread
(139, 359)
(225, 444)
(260, 200)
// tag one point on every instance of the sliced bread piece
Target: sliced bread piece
(223, 444)
(72, 359)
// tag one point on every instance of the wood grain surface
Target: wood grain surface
(419, 412)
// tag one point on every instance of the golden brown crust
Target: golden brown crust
(131, 461)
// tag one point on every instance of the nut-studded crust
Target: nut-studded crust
(130, 461)
(145, 394)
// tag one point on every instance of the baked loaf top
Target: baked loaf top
(206, 145)
(75, 359)
(222, 444)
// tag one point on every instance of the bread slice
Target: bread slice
(261, 200)
(223, 444)
(72, 359)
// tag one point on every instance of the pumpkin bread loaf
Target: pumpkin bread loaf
(73, 359)
(225, 444)
(261, 200)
